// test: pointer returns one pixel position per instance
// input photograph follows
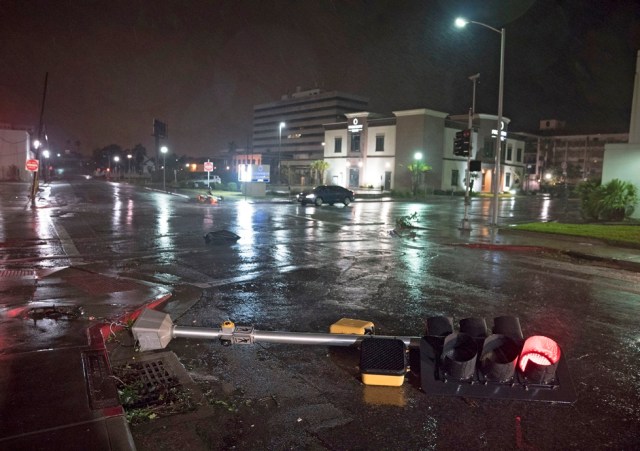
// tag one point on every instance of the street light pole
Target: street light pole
(164, 151)
(117, 160)
(498, 147)
(281, 126)
(466, 223)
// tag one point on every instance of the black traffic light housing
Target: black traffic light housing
(499, 364)
(462, 143)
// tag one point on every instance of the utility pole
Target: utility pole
(159, 132)
(34, 185)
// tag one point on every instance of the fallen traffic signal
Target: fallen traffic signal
(475, 363)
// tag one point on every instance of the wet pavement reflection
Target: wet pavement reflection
(301, 268)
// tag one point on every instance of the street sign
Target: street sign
(208, 166)
(31, 165)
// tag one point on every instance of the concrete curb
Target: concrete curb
(621, 264)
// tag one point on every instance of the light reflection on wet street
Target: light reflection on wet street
(302, 268)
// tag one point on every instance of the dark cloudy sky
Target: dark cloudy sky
(116, 65)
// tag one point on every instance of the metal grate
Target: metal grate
(101, 387)
(153, 380)
(11, 273)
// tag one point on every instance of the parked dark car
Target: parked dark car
(326, 194)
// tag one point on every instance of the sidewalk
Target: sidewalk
(56, 387)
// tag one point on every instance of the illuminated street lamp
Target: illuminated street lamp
(117, 160)
(129, 156)
(282, 125)
(460, 23)
(164, 150)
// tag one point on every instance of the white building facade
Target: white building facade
(622, 161)
(374, 151)
(14, 152)
(362, 153)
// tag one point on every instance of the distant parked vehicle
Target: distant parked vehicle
(200, 180)
(326, 194)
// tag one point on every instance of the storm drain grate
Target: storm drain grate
(11, 273)
(155, 385)
(145, 384)
(102, 390)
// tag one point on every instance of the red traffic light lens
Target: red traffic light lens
(539, 358)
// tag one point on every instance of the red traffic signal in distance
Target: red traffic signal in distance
(502, 364)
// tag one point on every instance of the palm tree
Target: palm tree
(319, 167)
(417, 168)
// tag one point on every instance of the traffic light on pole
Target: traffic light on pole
(457, 144)
(462, 143)
(501, 365)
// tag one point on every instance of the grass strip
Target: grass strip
(624, 234)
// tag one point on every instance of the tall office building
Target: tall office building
(300, 140)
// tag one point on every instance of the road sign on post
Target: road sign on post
(208, 166)
(32, 165)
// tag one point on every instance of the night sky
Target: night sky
(114, 66)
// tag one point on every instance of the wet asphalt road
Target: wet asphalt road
(302, 268)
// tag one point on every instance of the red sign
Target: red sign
(208, 166)
(31, 165)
